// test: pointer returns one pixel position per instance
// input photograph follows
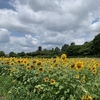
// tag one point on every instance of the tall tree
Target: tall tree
(86, 49)
(96, 45)
(2, 53)
(73, 43)
(12, 54)
(64, 48)
(22, 53)
(73, 50)
(57, 51)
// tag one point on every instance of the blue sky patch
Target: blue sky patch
(96, 20)
(4, 4)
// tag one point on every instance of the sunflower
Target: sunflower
(89, 67)
(27, 64)
(41, 69)
(13, 81)
(90, 98)
(87, 97)
(11, 74)
(28, 67)
(39, 63)
(25, 61)
(46, 79)
(9, 70)
(94, 67)
(72, 66)
(83, 81)
(83, 77)
(79, 65)
(94, 71)
(59, 68)
(6, 62)
(34, 61)
(63, 56)
(2, 63)
(12, 63)
(52, 81)
(54, 61)
(32, 66)
(77, 76)
(18, 61)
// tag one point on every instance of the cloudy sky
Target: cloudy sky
(27, 24)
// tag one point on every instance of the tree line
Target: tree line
(91, 48)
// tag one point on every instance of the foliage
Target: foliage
(72, 43)
(96, 45)
(57, 51)
(12, 54)
(86, 48)
(64, 48)
(2, 53)
(73, 50)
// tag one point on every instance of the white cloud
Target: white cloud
(4, 35)
(95, 27)
(79, 41)
(17, 44)
(27, 41)
(48, 23)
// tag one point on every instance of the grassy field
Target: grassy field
(59, 78)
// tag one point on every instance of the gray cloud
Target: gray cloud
(53, 23)
(44, 5)
(4, 36)
(27, 41)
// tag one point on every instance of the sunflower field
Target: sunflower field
(59, 78)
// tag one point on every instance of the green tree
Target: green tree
(19, 54)
(30, 54)
(73, 43)
(64, 48)
(86, 48)
(2, 53)
(73, 50)
(12, 54)
(96, 45)
(70, 50)
(22, 54)
(76, 49)
(57, 51)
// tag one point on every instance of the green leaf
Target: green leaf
(57, 92)
(73, 85)
(66, 91)
(42, 96)
(62, 98)
(72, 97)
(57, 84)
(94, 96)
(61, 87)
